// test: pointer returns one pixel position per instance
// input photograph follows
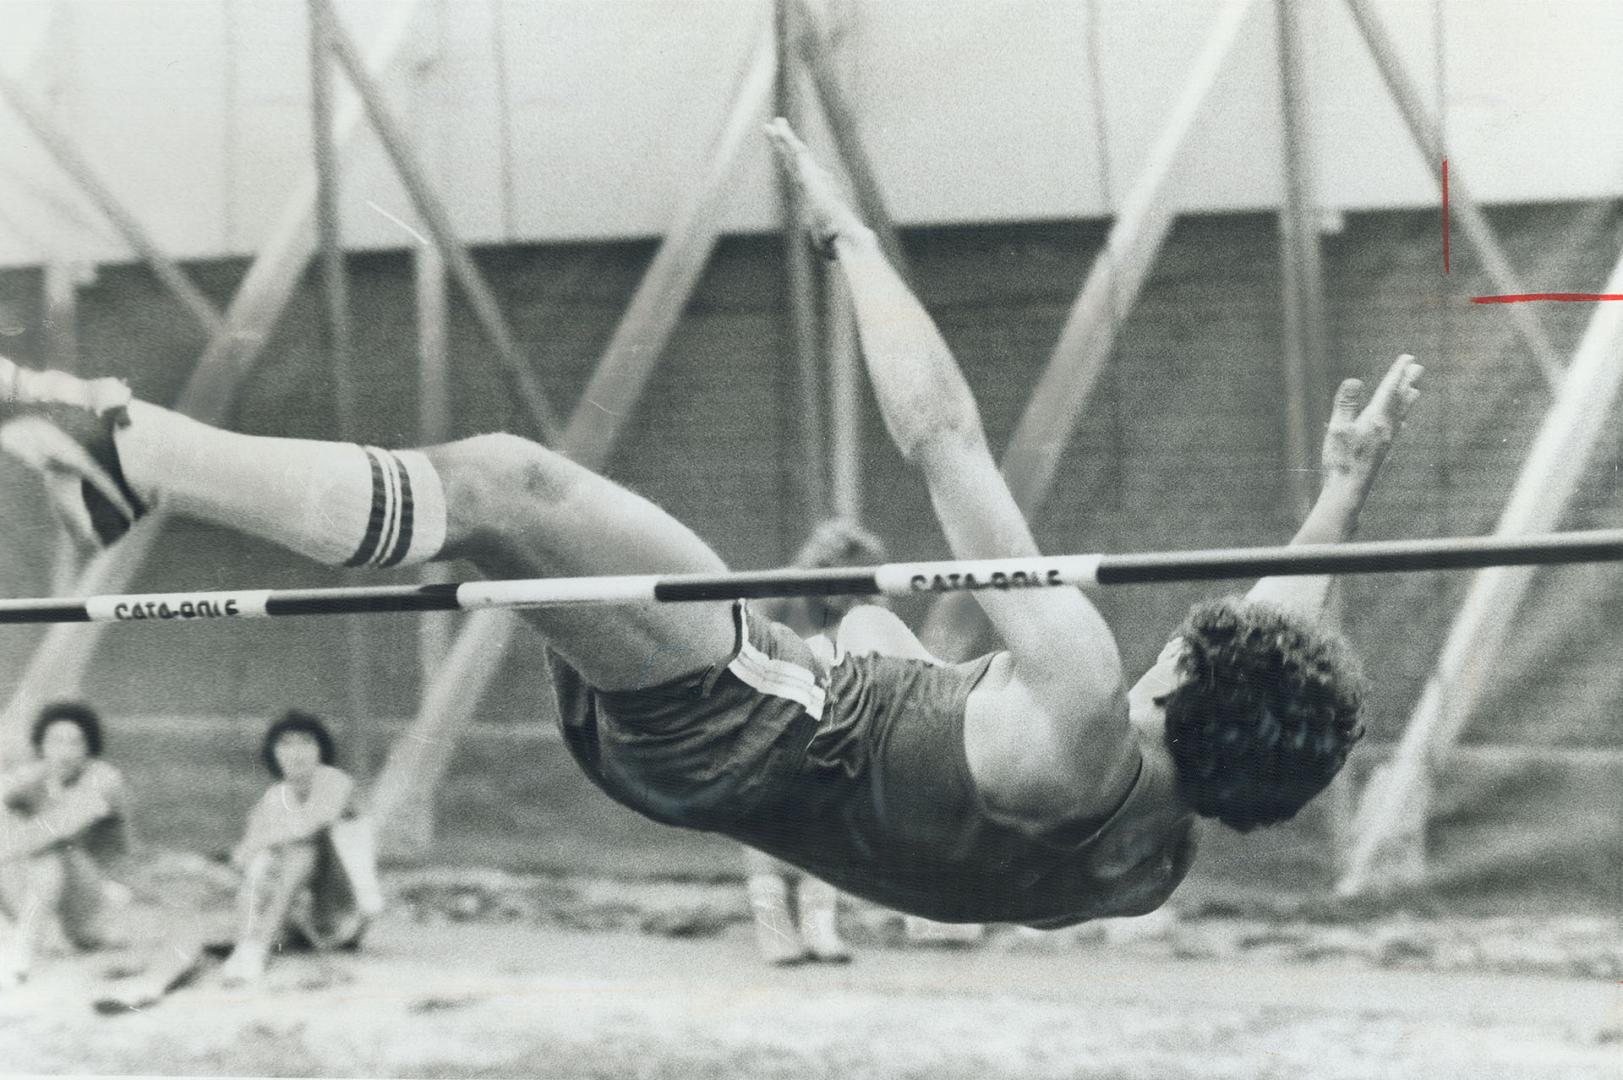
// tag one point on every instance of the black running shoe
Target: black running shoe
(62, 427)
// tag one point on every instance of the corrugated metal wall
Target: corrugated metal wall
(1183, 446)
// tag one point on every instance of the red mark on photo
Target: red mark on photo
(1564, 297)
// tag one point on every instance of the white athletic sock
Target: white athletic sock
(338, 503)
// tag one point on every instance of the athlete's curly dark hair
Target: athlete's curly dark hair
(1265, 715)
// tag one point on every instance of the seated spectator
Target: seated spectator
(63, 828)
(307, 857)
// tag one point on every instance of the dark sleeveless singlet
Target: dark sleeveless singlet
(873, 795)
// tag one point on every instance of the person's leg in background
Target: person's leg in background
(818, 904)
(273, 881)
(796, 915)
(88, 902)
(328, 915)
(35, 888)
(776, 934)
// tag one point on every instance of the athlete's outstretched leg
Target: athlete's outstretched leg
(512, 507)
(917, 383)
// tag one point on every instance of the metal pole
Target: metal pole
(440, 226)
(339, 341)
(433, 317)
(803, 322)
(1305, 354)
(433, 417)
(822, 86)
(1302, 275)
(62, 351)
(844, 401)
(411, 833)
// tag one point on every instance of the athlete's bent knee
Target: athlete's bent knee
(494, 486)
(495, 470)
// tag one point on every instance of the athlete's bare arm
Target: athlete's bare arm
(1065, 731)
(99, 794)
(19, 783)
(1355, 446)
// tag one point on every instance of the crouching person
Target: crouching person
(63, 829)
(307, 856)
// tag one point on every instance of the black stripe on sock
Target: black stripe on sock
(403, 544)
(374, 523)
(391, 498)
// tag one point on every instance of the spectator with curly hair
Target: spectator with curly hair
(308, 873)
(64, 825)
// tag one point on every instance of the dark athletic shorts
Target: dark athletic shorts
(706, 749)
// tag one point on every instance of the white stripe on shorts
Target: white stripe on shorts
(780, 678)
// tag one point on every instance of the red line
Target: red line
(1571, 297)
(1445, 215)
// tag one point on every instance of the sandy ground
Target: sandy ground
(663, 982)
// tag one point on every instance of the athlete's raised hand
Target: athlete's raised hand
(1359, 435)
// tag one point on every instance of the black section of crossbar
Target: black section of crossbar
(762, 584)
(370, 599)
(1380, 557)
(48, 611)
